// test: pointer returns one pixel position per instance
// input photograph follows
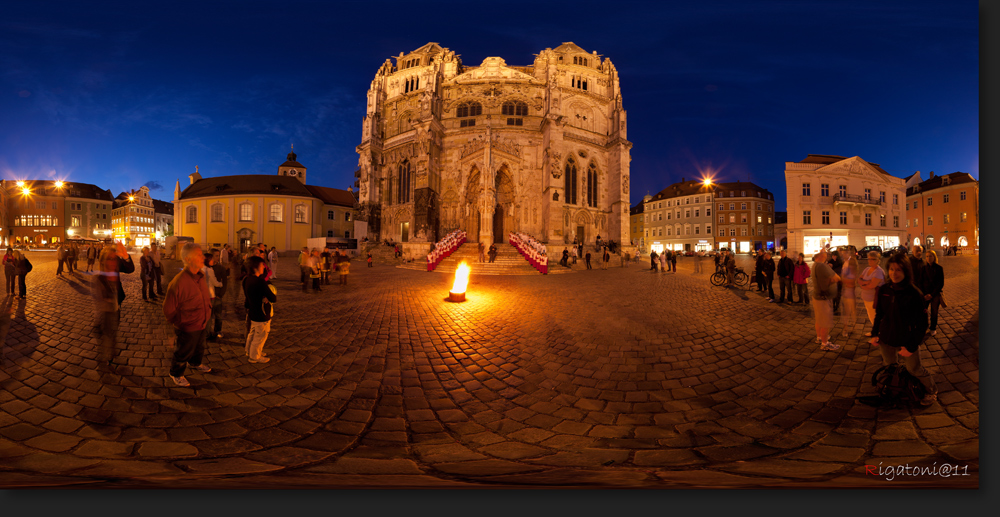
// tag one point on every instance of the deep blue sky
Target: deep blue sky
(124, 93)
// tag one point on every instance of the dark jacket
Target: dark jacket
(836, 263)
(900, 320)
(146, 267)
(786, 267)
(767, 268)
(124, 267)
(919, 273)
(259, 297)
(934, 279)
(222, 275)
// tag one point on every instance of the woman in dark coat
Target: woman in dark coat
(767, 268)
(900, 323)
(934, 274)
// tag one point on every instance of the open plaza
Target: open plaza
(622, 377)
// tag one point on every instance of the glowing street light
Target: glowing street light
(59, 184)
(20, 183)
(131, 199)
(26, 191)
(707, 182)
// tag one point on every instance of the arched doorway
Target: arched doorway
(498, 224)
(245, 239)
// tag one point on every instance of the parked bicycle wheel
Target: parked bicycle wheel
(718, 278)
(741, 279)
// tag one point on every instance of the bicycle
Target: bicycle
(740, 278)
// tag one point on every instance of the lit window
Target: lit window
(275, 213)
(347, 216)
(881, 220)
(930, 220)
(962, 218)
(947, 218)
(217, 213)
(743, 218)
(246, 211)
(300, 214)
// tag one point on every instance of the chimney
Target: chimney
(931, 175)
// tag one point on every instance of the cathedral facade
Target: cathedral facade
(539, 149)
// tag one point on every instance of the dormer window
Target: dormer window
(579, 60)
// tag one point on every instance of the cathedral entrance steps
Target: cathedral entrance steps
(381, 254)
(508, 262)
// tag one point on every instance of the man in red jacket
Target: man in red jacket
(188, 307)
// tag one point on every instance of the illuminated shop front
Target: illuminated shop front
(811, 244)
(657, 247)
(884, 241)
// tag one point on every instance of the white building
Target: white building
(838, 201)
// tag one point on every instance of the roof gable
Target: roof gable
(855, 166)
(492, 68)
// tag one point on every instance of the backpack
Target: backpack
(895, 387)
(27, 265)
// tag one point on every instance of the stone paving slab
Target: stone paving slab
(616, 378)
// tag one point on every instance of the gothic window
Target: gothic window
(579, 82)
(516, 108)
(275, 213)
(217, 213)
(246, 212)
(592, 185)
(571, 181)
(577, 60)
(468, 109)
(192, 214)
(403, 183)
(412, 83)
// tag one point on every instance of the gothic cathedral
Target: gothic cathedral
(494, 148)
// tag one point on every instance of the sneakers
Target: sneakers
(928, 399)
(262, 359)
(218, 336)
(933, 332)
(868, 334)
(829, 346)
(180, 381)
(770, 300)
(201, 368)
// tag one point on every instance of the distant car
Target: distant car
(890, 251)
(688, 253)
(863, 253)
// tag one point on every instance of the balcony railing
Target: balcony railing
(849, 198)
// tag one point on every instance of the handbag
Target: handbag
(944, 305)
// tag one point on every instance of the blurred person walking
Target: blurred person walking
(105, 287)
(900, 323)
(22, 268)
(10, 270)
(146, 275)
(824, 289)
(786, 274)
(800, 277)
(215, 297)
(188, 308)
(61, 257)
(272, 260)
(767, 274)
(870, 280)
(157, 269)
(849, 297)
(934, 280)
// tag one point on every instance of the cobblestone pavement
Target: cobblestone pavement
(616, 378)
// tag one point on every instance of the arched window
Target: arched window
(301, 214)
(412, 84)
(515, 108)
(592, 185)
(246, 212)
(403, 183)
(468, 109)
(192, 214)
(571, 181)
(275, 213)
(217, 213)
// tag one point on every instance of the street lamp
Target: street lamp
(59, 184)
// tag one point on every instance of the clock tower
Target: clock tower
(293, 168)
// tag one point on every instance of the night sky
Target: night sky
(125, 94)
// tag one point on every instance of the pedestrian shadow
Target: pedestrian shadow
(971, 328)
(79, 287)
(18, 323)
(738, 292)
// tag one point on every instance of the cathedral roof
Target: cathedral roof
(244, 184)
(430, 48)
(569, 46)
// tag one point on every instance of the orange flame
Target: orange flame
(461, 278)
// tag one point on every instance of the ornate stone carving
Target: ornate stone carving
(473, 145)
(555, 160)
(506, 146)
(625, 184)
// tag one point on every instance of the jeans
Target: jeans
(156, 277)
(769, 283)
(935, 305)
(189, 349)
(10, 281)
(21, 287)
(785, 282)
(912, 365)
(218, 314)
(803, 292)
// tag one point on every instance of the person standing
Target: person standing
(837, 265)
(605, 258)
(870, 280)
(314, 263)
(482, 251)
(10, 270)
(587, 259)
(304, 268)
(146, 275)
(70, 258)
(61, 258)
(105, 292)
(154, 255)
(934, 280)
(344, 267)
(272, 259)
(188, 307)
(786, 272)
(919, 270)
(260, 294)
(718, 256)
(801, 278)
(848, 300)
(565, 258)
(369, 260)
(824, 290)
(663, 261)
(22, 269)
(673, 261)
(215, 298)
(91, 257)
(653, 260)
(493, 253)
(758, 271)
(900, 323)
(730, 268)
(767, 274)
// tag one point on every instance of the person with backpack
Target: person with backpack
(900, 323)
(260, 294)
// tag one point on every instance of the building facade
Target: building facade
(636, 225)
(133, 218)
(276, 210)
(680, 217)
(943, 211)
(336, 214)
(781, 230)
(163, 220)
(89, 211)
(36, 212)
(837, 201)
(744, 217)
(540, 149)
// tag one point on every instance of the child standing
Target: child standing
(369, 260)
(344, 267)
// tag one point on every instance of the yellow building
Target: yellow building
(637, 225)
(132, 218)
(279, 211)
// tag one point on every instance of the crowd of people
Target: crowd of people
(532, 250)
(445, 247)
